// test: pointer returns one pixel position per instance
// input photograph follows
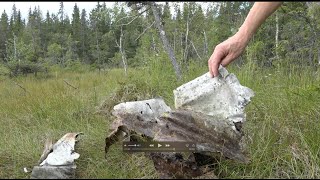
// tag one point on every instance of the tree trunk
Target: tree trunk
(181, 44)
(165, 42)
(195, 49)
(123, 55)
(174, 40)
(82, 42)
(186, 39)
(277, 35)
(319, 56)
(310, 57)
(154, 45)
(15, 47)
(205, 43)
(98, 49)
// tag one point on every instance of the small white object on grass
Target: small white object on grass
(63, 151)
(25, 169)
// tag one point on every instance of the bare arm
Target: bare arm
(229, 50)
(259, 12)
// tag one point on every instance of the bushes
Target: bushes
(4, 70)
(23, 68)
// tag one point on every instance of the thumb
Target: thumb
(215, 61)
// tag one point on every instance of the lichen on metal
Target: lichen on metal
(223, 97)
(151, 107)
(208, 111)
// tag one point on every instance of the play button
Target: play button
(159, 145)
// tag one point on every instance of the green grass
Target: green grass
(282, 128)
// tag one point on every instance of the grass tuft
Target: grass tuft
(281, 130)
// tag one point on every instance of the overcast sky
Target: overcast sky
(53, 7)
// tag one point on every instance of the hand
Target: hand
(226, 52)
(229, 50)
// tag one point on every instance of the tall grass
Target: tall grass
(282, 127)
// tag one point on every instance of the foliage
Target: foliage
(55, 53)
(23, 68)
(193, 32)
(282, 127)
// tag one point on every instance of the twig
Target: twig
(128, 22)
(195, 49)
(24, 89)
(144, 31)
(70, 84)
(132, 19)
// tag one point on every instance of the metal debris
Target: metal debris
(57, 161)
(209, 111)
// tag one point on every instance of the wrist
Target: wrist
(244, 34)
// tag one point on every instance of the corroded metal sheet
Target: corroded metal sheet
(208, 111)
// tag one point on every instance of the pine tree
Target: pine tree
(84, 37)
(4, 28)
(76, 28)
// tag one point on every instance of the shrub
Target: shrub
(23, 68)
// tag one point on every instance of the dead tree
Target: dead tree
(205, 50)
(122, 52)
(164, 39)
(185, 54)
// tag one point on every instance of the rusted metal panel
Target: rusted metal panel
(209, 111)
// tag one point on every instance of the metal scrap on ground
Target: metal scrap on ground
(209, 111)
(57, 160)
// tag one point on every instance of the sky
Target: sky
(53, 7)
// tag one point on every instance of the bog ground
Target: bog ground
(282, 127)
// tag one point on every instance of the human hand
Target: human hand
(226, 52)
(230, 49)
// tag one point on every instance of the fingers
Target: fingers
(227, 60)
(214, 62)
(225, 53)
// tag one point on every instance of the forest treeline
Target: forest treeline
(128, 35)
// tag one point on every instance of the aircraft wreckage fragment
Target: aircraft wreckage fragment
(57, 160)
(208, 111)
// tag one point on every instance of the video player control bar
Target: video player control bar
(159, 146)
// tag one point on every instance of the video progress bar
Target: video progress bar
(159, 146)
